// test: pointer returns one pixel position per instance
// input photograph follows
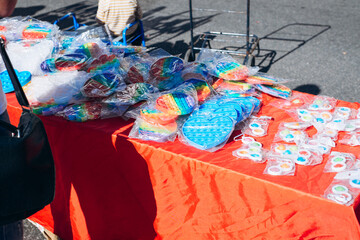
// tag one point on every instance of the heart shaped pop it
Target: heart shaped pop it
(203, 133)
(24, 77)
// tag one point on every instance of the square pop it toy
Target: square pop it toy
(24, 77)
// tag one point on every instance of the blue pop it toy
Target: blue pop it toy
(24, 77)
(203, 133)
(227, 106)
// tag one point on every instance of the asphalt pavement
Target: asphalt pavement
(313, 44)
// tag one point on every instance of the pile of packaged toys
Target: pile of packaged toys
(83, 76)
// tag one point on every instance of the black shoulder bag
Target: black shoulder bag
(27, 172)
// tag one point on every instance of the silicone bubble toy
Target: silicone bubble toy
(176, 103)
(48, 65)
(138, 72)
(132, 94)
(203, 133)
(165, 67)
(276, 90)
(151, 131)
(202, 88)
(100, 85)
(24, 77)
(36, 31)
(82, 112)
(155, 116)
(231, 70)
(104, 63)
(71, 62)
(91, 50)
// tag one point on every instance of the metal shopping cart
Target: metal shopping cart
(247, 43)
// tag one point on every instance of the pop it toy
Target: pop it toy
(203, 133)
(24, 77)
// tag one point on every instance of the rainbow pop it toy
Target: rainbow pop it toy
(176, 103)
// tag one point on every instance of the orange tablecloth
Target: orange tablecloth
(111, 187)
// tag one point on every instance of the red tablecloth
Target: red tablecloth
(111, 187)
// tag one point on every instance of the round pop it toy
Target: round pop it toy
(100, 85)
(165, 67)
(202, 88)
(71, 62)
(24, 77)
(36, 31)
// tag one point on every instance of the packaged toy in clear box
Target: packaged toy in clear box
(279, 166)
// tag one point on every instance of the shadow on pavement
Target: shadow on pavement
(280, 43)
(308, 88)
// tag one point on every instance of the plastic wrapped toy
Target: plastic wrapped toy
(56, 88)
(224, 66)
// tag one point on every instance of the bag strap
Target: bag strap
(19, 92)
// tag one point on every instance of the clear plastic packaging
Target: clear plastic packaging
(179, 101)
(295, 101)
(344, 113)
(323, 103)
(326, 133)
(289, 135)
(28, 55)
(257, 126)
(276, 90)
(90, 111)
(339, 161)
(230, 87)
(56, 89)
(154, 131)
(284, 150)
(27, 28)
(351, 139)
(250, 150)
(279, 166)
(308, 155)
(297, 125)
(133, 93)
(203, 89)
(218, 106)
(321, 144)
(352, 125)
(264, 79)
(137, 67)
(102, 85)
(208, 133)
(341, 192)
(223, 66)
(304, 115)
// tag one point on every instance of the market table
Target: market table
(111, 187)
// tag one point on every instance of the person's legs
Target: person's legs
(4, 117)
(12, 231)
